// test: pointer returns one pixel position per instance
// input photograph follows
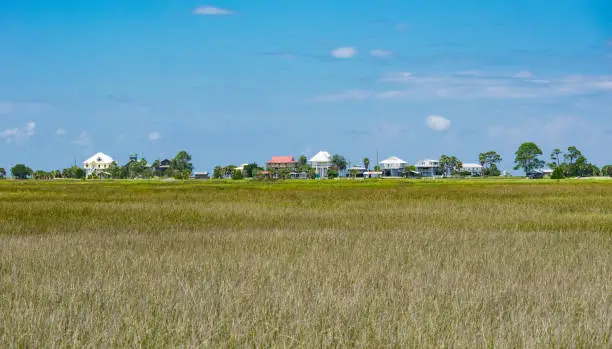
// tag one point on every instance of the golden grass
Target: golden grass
(378, 264)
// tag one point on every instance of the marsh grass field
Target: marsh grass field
(463, 264)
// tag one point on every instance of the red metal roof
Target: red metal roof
(281, 160)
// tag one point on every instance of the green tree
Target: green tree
(218, 172)
(572, 155)
(78, 172)
(377, 168)
(228, 170)
(339, 162)
(115, 171)
(302, 161)
(450, 165)
(488, 160)
(237, 175)
(606, 171)
(2, 173)
(250, 170)
(40, 175)
(557, 173)
(331, 174)
(527, 157)
(366, 163)
(556, 157)
(21, 171)
(492, 171)
(181, 162)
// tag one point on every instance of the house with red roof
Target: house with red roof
(282, 162)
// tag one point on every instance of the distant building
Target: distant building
(282, 162)
(357, 170)
(428, 168)
(475, 170)
(321, 163)
(393, 167)
(163, 167)
(201, 175)
(97, 164)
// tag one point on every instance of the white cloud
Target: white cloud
(381, 53)
(9, 132)
(19, 135)
(343, 96)
(212, 11)
(154, 136)
(344, 52)
(437, 123)
(60, 132)
(30, 128)
(83, 140)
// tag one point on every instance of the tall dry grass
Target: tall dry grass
(398, 264)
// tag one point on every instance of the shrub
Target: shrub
(557, 173)
(237, 175)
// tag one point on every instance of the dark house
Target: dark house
(163, 167)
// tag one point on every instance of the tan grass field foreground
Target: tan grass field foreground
(496, 264)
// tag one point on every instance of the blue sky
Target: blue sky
(238, 80)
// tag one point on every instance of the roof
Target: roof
(99, 158)
(321, 156)
(393, 160)
(357, 167)
(282, 160)
(427, 163)
(472, 166)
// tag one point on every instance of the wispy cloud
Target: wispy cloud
(19, 135)
(60, 132)
(83, 140)
(155, 136)
(212, 11)
(523, 74)
(344, 96)
(378, 53)
(549, 130)
(438, 123)
(478, 85)
(344, 52)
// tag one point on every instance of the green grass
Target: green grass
(484, 263)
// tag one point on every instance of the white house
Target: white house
(393, 166)
(99, 162)
(357, 170)
(428, 168)
(321, 163)
(473, 169)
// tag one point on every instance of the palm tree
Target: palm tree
(366, 164)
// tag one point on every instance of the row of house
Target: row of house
(390, 167)
(322, 162)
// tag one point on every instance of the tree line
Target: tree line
(569, 163)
